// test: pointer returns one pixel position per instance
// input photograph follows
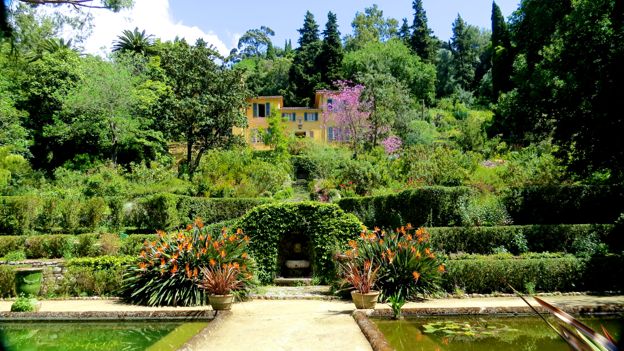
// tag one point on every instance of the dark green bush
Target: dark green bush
(157, 211)
(132, 244)
(93, 214)
(547, 272)
(7, 281)
(70, 209)
(85, 245)
(10, 243)
(430, 206)
(48, 246)
(569, 204)
(326, 227)
(579, 239)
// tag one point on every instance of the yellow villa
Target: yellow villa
(303, 122)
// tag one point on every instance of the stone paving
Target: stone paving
(295, 318)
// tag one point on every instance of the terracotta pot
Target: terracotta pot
(221, 302)
(364, 301)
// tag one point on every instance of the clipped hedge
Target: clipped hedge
(546, 272)
(326, 227)
(167, 211)
(428, 206)
(572, 238)
(7, 281)
(98, 276)
(570, 204)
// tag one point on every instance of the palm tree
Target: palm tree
(134, 41)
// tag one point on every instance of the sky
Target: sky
(221, 23)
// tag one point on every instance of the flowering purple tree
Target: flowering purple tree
(351, 115)
(392, 144)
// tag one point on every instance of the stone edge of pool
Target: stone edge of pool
(107, 315)
(379, 342)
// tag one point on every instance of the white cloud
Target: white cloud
(153, 16)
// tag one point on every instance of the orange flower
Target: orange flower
(246, 238)
(353, 244)
(162, 261)
(417, 254)
(409, 237)
(142, 266)
(199, 223)
(244, 255)
(195, 272)
(143, 254)
(409, 226)
(213, 262)
(223, 253)
(188, 270)
(161, 233)
(416, 275)
(239, 231)
(174, 270)
(441, 268)
(232, 238)
(189, 227)
(215, 245)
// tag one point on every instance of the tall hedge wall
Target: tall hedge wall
(325, 225)
(428, 206)
(565, 204)
(31, 214)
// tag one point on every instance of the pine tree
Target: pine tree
(502, 59)
(421, 41)
(330, 57)
(304, 74)
(463, 60)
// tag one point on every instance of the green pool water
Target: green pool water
(98, 336)
(477, 333)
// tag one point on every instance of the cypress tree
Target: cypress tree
(502, 59)
(421, 41)
(330, 57)
(304, 74)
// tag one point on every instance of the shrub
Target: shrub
(19, 255)
(110, 244)
(326, 227)
(407, 264)
(100, 276)
(168, 270)
(7, 281)
(215, 210)
(362, 175)
(70, 209)
(486, 274)
(18, 214)
(157, 211)
(484, 210)
(93, 213)
(431, 206)
(35, 247)
(9, 243)
(569, 204)
(570, 238)
(131, 244)
(24, 304)
(85, 245)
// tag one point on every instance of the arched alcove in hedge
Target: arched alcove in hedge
(325, 226)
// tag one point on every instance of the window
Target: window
(311, 134)
(310, 116)
(262, 110)
(330, 104)
(330, 134)
(292, 117)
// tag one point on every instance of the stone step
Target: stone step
(292, 281)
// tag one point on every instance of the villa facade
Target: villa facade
(315, 122)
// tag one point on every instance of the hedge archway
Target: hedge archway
(326, 226)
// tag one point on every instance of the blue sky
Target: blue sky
(228, 19)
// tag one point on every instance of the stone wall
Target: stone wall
(53, 271)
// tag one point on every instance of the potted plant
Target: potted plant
(219, 281)
(362, 276)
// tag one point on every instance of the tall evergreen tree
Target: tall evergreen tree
(463, 56)
(405, 33)
(502, 59)
(310, 31)
(304, 74)
(330, 57)
(422, 42)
